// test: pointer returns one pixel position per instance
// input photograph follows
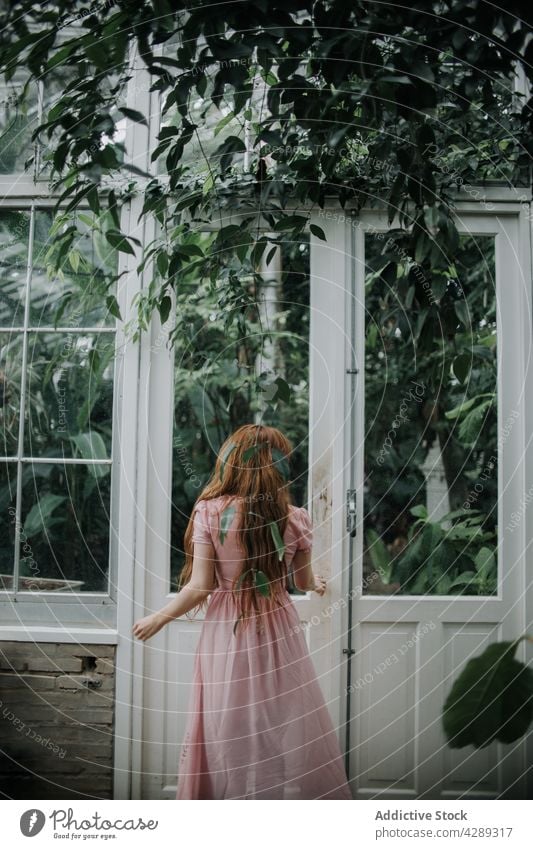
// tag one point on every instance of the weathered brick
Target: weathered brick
(15, 699)
(54, 764)
(108, 683)
(40, 712)
(80, 682)
(52, 705)
(14, 662)
(77, 736)
(59, 663)
(96, 650)
(84, 749)
(105, 666)
(90, 717)
(26, 682)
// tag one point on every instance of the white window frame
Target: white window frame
(88, 616)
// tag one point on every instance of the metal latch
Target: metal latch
(351, 512)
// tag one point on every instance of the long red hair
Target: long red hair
(252, 465)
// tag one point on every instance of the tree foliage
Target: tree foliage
(357, 101)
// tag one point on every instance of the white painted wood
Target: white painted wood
(59, 634)
(330, 267)
(168, 658)
(525, 225)
(131, 445)
(409, 649)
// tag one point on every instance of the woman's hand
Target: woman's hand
(320, 585)
(147, 626)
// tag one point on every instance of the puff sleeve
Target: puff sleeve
(305, 530)
(201, 529)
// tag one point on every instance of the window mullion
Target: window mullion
(22, 405)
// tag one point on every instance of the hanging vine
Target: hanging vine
(358, 102)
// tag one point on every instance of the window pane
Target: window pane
(8, 483)
(76, 296)
(18, 120)
(65, 527)
(14, 236)
(70, 395)
(431, 466)
(10, 377)
(216, 388)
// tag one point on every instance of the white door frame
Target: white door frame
(340, 265)
(332, 405)
(161, 669)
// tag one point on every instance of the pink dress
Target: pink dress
(258, 725)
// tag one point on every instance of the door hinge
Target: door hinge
(351, 512)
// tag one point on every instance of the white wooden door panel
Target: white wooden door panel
(410, 649)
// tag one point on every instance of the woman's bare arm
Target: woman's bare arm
(304, 577)
(201, 584)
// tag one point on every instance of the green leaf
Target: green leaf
(225, 521)
(281, 463)
(462, 313)
(491, 700)
(91, 446)
(318, 232)
(119, 241)
(461, 367)
(284, 390)
(74, 260)
(464, 578)
(113, 307)
(470, 427)
(250, 452)
(221, 124)
(231, 447)
(209, 183)
(241, 578)
(485, 562)
(164, 307)
(379, 555)
(162, 263)
(276, 537)
(262, 583)
(133, 115)
(58, 58)
(420, 511)
(466, 405)
(38, 519)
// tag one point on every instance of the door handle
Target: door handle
(351, 512)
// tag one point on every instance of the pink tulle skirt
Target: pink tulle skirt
(258, 726)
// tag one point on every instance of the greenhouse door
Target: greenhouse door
(423, 599)
(162, 667)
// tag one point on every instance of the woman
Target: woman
(258, 725)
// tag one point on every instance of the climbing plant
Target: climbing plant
(356, 101)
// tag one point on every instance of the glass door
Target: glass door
(437, 428)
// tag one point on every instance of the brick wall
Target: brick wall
(56, 720)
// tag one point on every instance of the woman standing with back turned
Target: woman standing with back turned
(258, 725)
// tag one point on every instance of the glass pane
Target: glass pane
(10, 377)
(65, 527)
(14, 236)
(216, 380)
(8, 491)
(18, 120)
(70, 395)
(77, 296)
(431, 459)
